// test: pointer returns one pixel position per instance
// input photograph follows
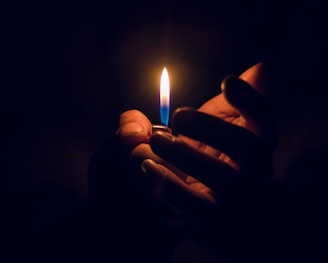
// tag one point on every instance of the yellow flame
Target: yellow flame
(165, 89)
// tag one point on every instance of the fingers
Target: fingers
(166, 186)
(143, 151)
(134, 127)
(207, 169)
(238, 143)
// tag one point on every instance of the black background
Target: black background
(71, 67)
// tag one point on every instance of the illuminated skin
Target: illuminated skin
(201, 180)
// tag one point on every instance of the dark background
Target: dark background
(71, 67)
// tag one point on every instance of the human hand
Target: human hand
(159, 224)
(222, 173)
(124, 214)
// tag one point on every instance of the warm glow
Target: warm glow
(164, 97)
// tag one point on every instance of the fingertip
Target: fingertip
(159, 141)
(181, 110)
(130, 128)
(131, 134)
(135, 117)
(226, 80)
(163, 135)
(181, 114)
(155, 176)
(147, 164)
(237, 91)
(134, 128)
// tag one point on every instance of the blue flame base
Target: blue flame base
(165, 112)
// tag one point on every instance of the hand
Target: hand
(226, 166)
(123, 215)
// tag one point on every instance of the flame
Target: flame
(164, 97)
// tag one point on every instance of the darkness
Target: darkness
(71, 67)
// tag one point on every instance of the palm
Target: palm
(221, 108)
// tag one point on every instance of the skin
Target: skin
(214, 169)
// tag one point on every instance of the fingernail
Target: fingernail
(155, 176)
(130, 129)
(146, 165)
(150, 166)
(163, 137)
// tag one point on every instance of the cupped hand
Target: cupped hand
(220, 164)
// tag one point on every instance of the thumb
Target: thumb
(134, 128)
(253, 107)
(259, 77)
